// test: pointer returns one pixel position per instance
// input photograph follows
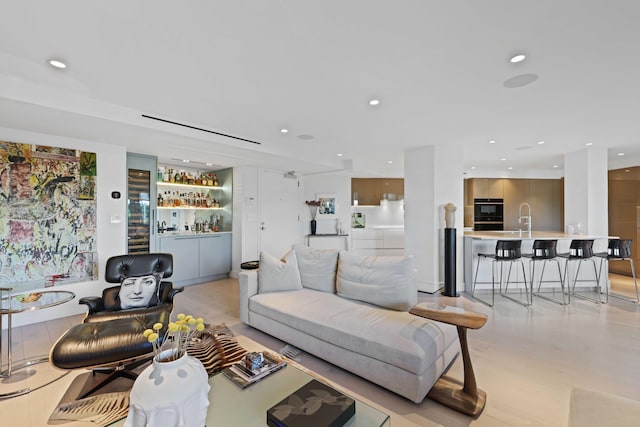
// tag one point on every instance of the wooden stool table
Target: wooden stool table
(467, 399)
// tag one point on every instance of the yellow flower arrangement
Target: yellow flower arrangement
(176, 337)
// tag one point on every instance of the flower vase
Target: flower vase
(170, 393)
(313, 226)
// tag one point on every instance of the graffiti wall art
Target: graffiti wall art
(47, 216)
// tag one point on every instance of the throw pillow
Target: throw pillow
(317, 268)
(278, 274)
(386, 281)
(139, 291)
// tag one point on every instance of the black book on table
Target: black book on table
(314, 404)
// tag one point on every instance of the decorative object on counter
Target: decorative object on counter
(450, 215)
(174, 389)
(339, 230)
(313, 210)
(357, 220)
(450, 251)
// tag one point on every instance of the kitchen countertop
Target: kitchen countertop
(191, 233)
(542, 235)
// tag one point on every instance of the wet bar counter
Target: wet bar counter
(485, 242)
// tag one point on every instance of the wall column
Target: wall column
(586, 190)
(433, 177)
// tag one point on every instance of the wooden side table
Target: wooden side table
(467, 399)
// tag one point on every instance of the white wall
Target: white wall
(111, 237)
(245, 217)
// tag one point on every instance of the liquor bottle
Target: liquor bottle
(160, 199)
(216, 183)
(198, 179)
(172, 177)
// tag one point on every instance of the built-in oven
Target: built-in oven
(488, 214)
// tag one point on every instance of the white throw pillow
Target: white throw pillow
(317, 268)
(386, 281)
(278, 274)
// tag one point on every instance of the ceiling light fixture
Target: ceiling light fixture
(473, 167)
(209, 164)
(540, 142)
(390, 161)
(56, 63)
(517, 58)
(185, 161)
(588, 144)
(510, 167)
(374, 102)
(339, 154)
(555, 166)
(283, 130)
(620, 154)
(503, 159)
(492, 141)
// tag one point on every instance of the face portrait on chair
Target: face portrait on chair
(139, 291)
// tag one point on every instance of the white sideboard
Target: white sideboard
(378, 241)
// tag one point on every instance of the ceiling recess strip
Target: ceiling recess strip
(200, 129)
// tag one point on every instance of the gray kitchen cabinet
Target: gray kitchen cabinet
(185, 264)
(198, 258)
(215, 255)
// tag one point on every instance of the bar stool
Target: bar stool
(619, 250)
(545, 251)
(581, 251)
(507, 251)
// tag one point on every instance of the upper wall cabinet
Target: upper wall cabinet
(369, 191)
(486, 188)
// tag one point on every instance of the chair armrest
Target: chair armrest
(248, 287)
(452, 315)
(173, 293)
(95, 304)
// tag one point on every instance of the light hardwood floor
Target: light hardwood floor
(526, 359)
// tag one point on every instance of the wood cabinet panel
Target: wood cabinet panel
(372, 190)
(516, 191)
(486, 188)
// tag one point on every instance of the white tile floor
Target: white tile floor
(526, 359)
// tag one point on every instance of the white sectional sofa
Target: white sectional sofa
(351, 311)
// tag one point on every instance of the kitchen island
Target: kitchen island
(485, 242)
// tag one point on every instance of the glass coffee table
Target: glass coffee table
(10, 305)
(232, 406)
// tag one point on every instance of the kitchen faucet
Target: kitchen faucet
(525, 217)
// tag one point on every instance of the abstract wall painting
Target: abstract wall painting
(47, 216)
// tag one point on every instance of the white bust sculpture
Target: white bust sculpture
(450, 215)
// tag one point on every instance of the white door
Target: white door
(279, 223)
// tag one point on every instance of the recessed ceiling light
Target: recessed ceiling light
(510, 167)
(473, 167)
(517, 58)
(620, 154)
(339, 154)
(56, 63)
(540, 142)
(555, 166)
(374, 102)
(503, 159)
(209, 164)
(588, 144)
(492, 141)
(390, 162)
(283, 130)
(185, 161)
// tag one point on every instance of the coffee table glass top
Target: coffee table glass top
(33, 301)
(231, 406)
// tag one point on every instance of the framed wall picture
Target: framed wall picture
(327, 207)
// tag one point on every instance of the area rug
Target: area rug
(215, 347)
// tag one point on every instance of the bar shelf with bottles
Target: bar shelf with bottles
(179, 189)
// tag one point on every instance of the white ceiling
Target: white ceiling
(249, 68)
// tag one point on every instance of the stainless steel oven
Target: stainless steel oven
(488, 214)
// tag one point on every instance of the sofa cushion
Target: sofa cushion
(317, 268)
(387, 281)
(395, 337)
(276, 275)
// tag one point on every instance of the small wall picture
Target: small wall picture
(327, 207)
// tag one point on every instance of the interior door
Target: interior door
(279, 222)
